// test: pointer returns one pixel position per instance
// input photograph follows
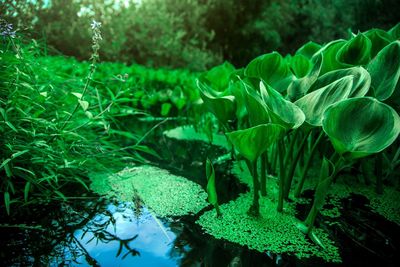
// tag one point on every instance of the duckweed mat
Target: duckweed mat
(188, 133)
(273, 231)
(164, 193)
(386, 204)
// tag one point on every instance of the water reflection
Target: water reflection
(117, 236)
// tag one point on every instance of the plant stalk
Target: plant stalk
(290, 174)
(264, 169)
(255, 207)
(307, 166)
(281, 176)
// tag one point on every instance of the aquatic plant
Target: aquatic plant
(345, 91)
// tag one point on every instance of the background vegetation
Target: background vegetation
(195, 34)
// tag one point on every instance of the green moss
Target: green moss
(188, 133)
(164, 193)
(273, 231)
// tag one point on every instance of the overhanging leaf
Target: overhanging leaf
(252, 142)
(358, 127)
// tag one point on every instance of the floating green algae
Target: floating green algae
(188, 133)
(273, 231)
(164, 193)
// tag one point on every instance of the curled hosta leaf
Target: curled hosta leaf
(252, 142)
(223, 107)
(329, 52)
(308, 49)
(379, 39)
(299, 87)
(358, 127)
(272, 68)
(300, 65)
(356, 51)
(385, 71)
(281, 111)
(315, 103)
(361, 80)
(219, 76)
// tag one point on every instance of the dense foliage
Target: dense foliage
(277, 111)
(195, 34)
(61, 119)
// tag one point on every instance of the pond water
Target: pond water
(94, 231)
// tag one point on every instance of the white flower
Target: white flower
(95, 24)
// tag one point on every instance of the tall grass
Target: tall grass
(54, 127)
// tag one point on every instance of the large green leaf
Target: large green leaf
(223, 107)
(219, 76)
(300, 86)
(300, 65)
(315, 103)
(272, 68)
(281, 111)
(329, 52)
(379, 39)
(358, 127)
(356, 51)
(308, 49)
(252, 142)
(361, 80)
(385, 71)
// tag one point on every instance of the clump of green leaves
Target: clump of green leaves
(281, 108)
